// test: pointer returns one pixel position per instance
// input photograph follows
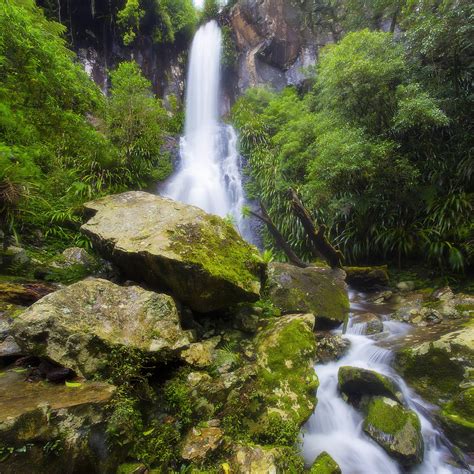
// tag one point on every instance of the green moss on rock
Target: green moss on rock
(325, 464)
(357, 382)
(396, 429)
(457, 417)
(320, 291)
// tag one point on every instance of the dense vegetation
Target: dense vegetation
(380, 144)
(61, 141)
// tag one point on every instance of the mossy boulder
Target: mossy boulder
(257, 459)
(356, 383)
(325, 464)
(436, 365)
(330, 347)
(286, 379)
(198, 257)
(317, 290)
(367, 278)
(457, 418)
(55, 428)
(396, 429)
(78, 326)
(200, 442)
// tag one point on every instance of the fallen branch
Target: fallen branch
(319, 242)
(279, 239)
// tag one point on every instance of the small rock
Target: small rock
(316, 290)
(368, 323)
(330, 347)
(325, 464)
(200, 442)
(201, 354)
(367, 278)
(406, 286)
(15, 256)
(9, 348)
(77, 256)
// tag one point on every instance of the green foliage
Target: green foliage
(166, 21)
(136, 121)
(61, 141)
(210, 10)
(279, 431)
(366, 148)
(178, 400)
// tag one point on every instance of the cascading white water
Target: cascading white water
(209, 173)
(336, 427)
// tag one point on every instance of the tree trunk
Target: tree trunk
(319, 241)
(279, 239)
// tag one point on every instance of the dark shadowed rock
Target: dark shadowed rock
(320, 291)
(198, 257)
(357, 382)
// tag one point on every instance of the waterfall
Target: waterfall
(209, 172)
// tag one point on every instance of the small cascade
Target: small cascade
(336, 426)
(209, 174)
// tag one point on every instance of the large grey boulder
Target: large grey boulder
(316, 290)
(78, 326)
(199, 258)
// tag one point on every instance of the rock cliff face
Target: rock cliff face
(93, 34)
(275, 41)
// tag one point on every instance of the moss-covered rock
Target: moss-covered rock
(316, 290)
(330, 347)
(325, 464)
(199, 257)
(286, 377)
(436, 367)
(395, 429)
(78, 326)
(367, 278)
(357, 383)
(55, 428)
(257, 459)
(200, 442)
(457, 417)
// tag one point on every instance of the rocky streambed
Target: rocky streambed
(188, 351)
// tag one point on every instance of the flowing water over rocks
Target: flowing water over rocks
(209, 174)
(337, 427)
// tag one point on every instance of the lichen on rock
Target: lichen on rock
(317, 290)
(78, 326)
(396, 429)
(199, 258)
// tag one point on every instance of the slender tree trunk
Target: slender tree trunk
(279, 239)
(320, 244)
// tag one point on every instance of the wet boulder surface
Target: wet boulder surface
(396, 429)
(55, 428)
(198, 257)
(77, 327)
(317, 290)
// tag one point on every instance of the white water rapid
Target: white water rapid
(336, 427)
(209, 172)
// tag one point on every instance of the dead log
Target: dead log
(279, 239)
(317, 235)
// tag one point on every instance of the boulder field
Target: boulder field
(196, 354)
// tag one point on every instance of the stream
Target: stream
(336, 426)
